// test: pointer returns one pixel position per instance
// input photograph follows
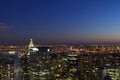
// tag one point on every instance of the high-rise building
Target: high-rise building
(39, 63)
(114, 72)
(9, 67)
(24, 65)
(31, 45)
(101, 73)
(73, 65)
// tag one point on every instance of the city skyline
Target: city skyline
(59, 21)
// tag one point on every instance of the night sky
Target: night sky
(59, 21)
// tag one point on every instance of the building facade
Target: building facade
(9, 67)
(39, 63)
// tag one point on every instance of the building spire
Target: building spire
(31, 45)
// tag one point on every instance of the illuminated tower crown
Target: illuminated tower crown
(31, 45)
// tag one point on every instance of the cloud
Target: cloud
(3, 26)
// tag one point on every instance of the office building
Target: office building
(101, 73)
(73, 65)
(39, 64)
(10, 67)
(114, 72)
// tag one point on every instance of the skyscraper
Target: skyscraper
(9, 67)
(73, 65)
(101, 73)
(31, 45)
(39, 62)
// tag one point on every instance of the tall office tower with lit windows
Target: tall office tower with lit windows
(25, 61)
(73, 66)
(113, 71)
(39, 63)
(9, 66)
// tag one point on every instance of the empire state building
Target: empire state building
(31, 45)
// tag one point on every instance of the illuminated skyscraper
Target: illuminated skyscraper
(31, 45)
(39, 63)
(9, 67)
(113, 72)
(73, 66)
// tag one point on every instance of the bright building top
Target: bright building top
(31, 45)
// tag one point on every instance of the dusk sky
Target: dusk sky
(59, 21)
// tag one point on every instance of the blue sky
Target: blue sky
(59, 21)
